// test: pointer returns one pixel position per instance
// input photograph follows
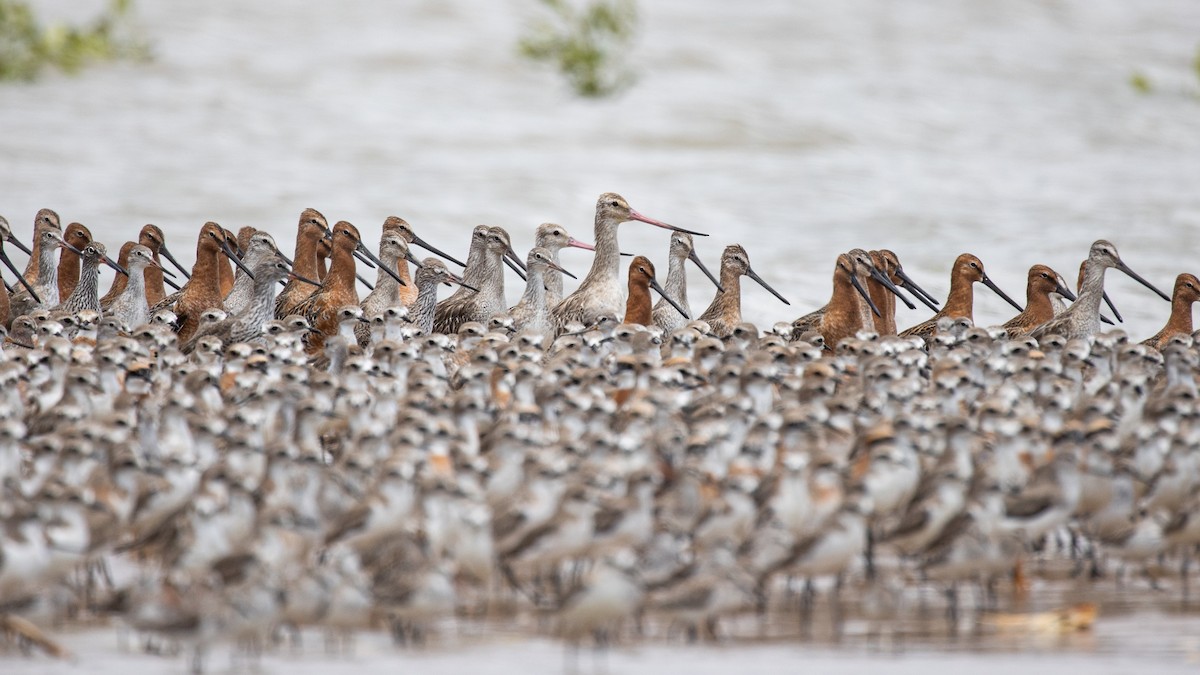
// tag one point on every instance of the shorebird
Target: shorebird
(841, 317)
(607, 594)
(7, 237)
(681, 251)
(155, 275)
(637, 305)
(885, 267)
(1186, 292)
(43, 290)
(1082, 318)
(866, 271)
(337, 290)
(86, 291)
(488, 277)
(45, 218)
(532, 313)
(430, 274)
(725, 311)
(601, 291)
(309, 233)
(131, 305)
(1107, 300)
(202, 291)
(258, 246)
(554, 238)
(408, 292)
(960, 303)
(78, 237)
(225, 267)
(118, 282)
(152, 238)
(389, 291)
(1042, 283)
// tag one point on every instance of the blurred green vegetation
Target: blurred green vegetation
(586, 43)
(28, 48)
(1141, 82)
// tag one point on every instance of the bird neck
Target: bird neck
(961, 300)
(886, 302)
(1181, 315)
(731, 297)
(606, 265)
(47, 267)
(306, 254)
(1091, 291)
(134, 284)
(86, 294)
(676, 284)
(553, 279)
(342, 269)
(68, 272)
(422, 310)
(262, 301)
(491, 280)
(243, 285)
(385, 280)
(637, 305)
(204, 272)
(843, 304)
(225, 275)
(1038, 304)
(534, 296)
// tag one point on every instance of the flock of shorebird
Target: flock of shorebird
(237, 459)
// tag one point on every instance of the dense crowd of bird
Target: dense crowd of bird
(262, 450)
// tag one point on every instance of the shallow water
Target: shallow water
(1140, 642)
(799, 129)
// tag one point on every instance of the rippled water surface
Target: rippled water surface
(800, 129)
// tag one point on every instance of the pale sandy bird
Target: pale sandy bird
(682, 250)
(45, 218)
(601, 291)
(487, 276)
(431, 273)
(42, 292)
(554, 238)
(1082, 318)
(532, 313)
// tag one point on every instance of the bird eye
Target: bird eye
(1045, 276)
(613, 203)
(974, 265)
